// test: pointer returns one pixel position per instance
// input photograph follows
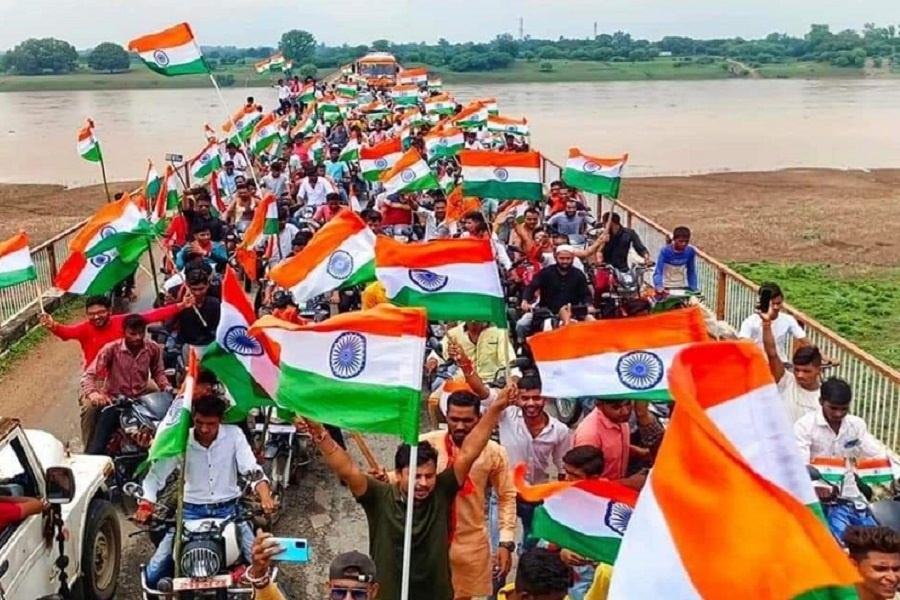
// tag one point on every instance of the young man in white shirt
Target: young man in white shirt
(236, 157)
(800, 386)
(783, 325)
(313, 190)
(284, 96)
(832, 432)
(217, 455)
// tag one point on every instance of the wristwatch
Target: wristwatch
(509, 546)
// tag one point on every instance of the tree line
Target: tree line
(847, 48)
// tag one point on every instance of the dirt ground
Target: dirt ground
(797, 215)
(45, 210)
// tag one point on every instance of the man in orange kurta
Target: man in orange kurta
(470, 550)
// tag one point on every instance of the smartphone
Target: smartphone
(580, 312)
(296, 550)
(765, 299)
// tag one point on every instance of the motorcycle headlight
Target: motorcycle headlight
(201, 559)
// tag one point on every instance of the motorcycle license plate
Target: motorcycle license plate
(181, 584)
(276, 428)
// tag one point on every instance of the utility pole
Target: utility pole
(521, 28)
(595, 30)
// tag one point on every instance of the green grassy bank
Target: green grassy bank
(861, 304)
(662, 69)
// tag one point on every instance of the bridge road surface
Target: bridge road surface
(42, 391)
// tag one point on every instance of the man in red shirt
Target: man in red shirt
(397, 211)
(330, 209)
(101, 328)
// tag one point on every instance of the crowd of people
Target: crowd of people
(554, 255)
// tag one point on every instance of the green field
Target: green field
(662, 69)
(863, 306)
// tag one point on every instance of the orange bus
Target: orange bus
(378, 69)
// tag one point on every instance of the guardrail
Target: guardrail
(732, 297)
(48, 257)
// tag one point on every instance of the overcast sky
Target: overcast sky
(86, 23)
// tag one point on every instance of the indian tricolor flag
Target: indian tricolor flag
(341, 254)
(262, 66)
(88, 145)
(244, 364)
(490, 104)
(616, 358)
(169, 195)
(729, 452)
(376, 160)
(413, 77)
(308, 93)
(441, 104)
(444, 143)
(410, 174)
(473, 116)
(98, 274)
(405, 95)
(360, 370)
(601, 176)
(507, 126)
(16, 265)
(588, 517)
(831, 468)
(502, 176)
(347, 90)
(171, 437)
(206, 162)
(264, 135)
(307, 123)
(872, 471)
(350, 152)
(435, 85)
(264, 223)
(171, 52)
(277, 62)
(240, 125)
(455, 280)
(152, 185)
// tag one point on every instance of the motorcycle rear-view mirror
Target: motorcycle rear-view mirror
(814, 473)
(133, 489)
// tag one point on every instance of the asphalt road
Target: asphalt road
(42, 392)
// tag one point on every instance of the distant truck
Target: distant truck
(82, 554)
(378, 69)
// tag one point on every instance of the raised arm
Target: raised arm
(480, 435)
(338, 459)
(776, 366)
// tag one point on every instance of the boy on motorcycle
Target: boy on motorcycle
(216, 455)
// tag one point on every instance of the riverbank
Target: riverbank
(554, 71)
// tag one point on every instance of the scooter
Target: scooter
(210, 552)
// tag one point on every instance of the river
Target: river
(669, 128)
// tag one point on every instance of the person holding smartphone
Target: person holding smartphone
(771, 301)
(351, 575)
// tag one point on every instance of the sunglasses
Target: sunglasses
(349, 594)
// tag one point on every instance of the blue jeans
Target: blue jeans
(843, 514)
(162, 565)
(525, 512)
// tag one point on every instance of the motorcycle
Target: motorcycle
(400, 233)
(620, 294)
(317, 309)
(173, 354)
(285, 452)
(843, 505)
(128, 446)
(210, 553)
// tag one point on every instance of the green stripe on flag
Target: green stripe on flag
(503, 191)
(389, 410)
(597, 184)
(455, 306)
(109, 276)
(247, 393)
(94, 154)
(601, 549)
(195, 67)
(364, 274)
(11, 278)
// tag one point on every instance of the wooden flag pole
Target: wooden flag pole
(365, 450)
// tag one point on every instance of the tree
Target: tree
(298, 45)
(381, 46)
(47, 55)
(549, 52)
(307, 70)
(506, 43)
(110, 57)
